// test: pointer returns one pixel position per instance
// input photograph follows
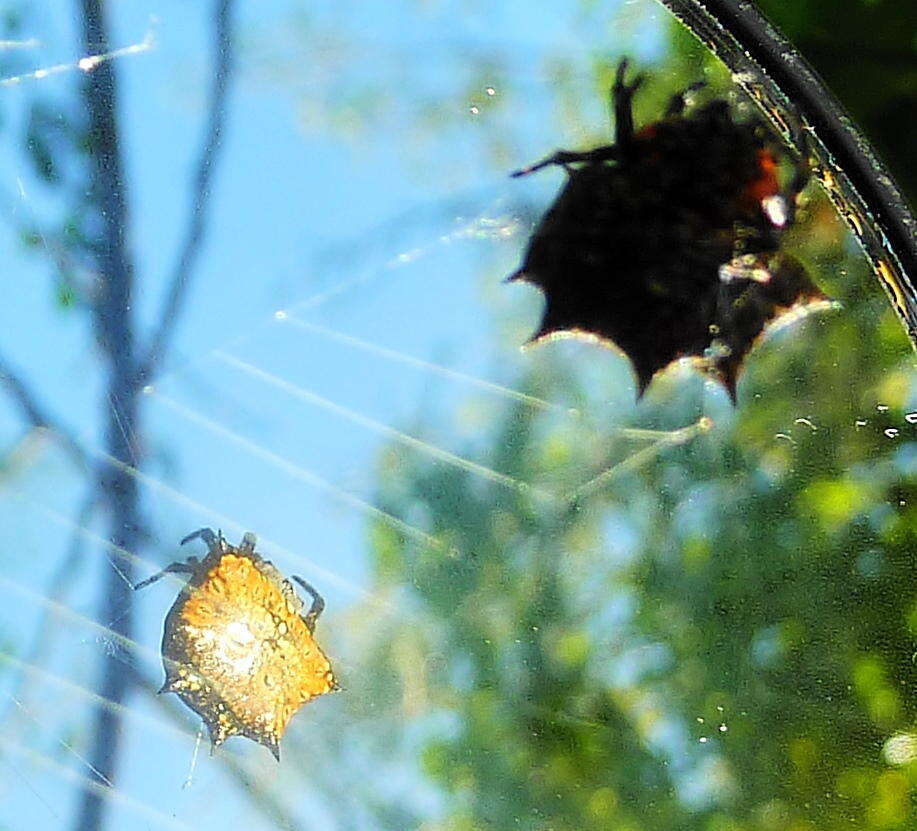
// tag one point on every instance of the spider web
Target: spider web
(274, 421)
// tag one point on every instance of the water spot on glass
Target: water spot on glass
(474, 110)
(882, 408)
(723, 728)
(490, 91)
(860, 422)
(910, 418)
(869, 564)
(900, 749)
(703, 740)
(891, 432)
(700, 720)
(807, 423)
(280, 314)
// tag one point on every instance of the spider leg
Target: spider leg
(318, 604)
(189, 567)
(206, 534)
(786, 201)
(679, 100)
(564, 157)
(622, 95)
(800, 178)
(781, 208)
(803, 163)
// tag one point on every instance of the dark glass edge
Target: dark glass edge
(773, 73)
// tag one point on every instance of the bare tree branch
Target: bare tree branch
(37, 416)
(201, 191)
(114, 489)
(114, 328)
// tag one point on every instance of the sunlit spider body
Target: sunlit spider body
(238, 645)
(666, 243)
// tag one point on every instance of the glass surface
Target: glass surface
(716, 634)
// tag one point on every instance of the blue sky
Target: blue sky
(395, 227)
(361, 210)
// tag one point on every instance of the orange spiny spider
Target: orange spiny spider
(238, 645)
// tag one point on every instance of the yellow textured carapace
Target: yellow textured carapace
(238, 645)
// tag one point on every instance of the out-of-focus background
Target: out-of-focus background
(310, 203)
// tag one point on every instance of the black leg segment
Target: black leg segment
(206, 534)
(190, 567)
(318, 604)
(564, 157)
(679, 101)
(622, 96)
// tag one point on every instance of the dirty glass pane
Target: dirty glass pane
(255, 259)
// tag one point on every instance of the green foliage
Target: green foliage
(722, 638)
(772, 578)
(66, 295)
(42, 131)
(538, 743)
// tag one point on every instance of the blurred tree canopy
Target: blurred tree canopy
(724, 636)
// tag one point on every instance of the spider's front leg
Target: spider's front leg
(318, 604)
(622, 97)
(206, 534)
(565, 157)
(801, 176)
(679, 101)
(780, 208)
(188, 567)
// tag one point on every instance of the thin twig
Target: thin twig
(36, 415)
(113, 322)
(60, 581)
(201, 191)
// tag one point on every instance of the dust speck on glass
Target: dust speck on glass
(256, 259)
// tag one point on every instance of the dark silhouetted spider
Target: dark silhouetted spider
(667, 242)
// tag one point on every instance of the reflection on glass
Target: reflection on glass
(550, 606)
